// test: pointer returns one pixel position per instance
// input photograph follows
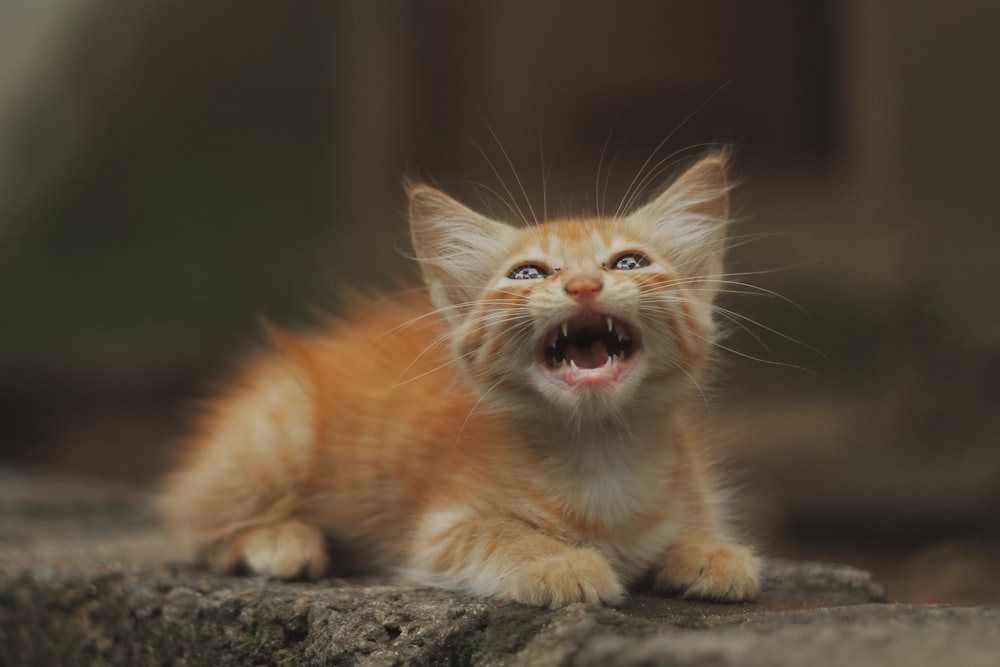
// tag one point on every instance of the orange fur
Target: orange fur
(463, 441)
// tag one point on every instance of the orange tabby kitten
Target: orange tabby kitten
(524, 438)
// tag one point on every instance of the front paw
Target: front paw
(711, 569)
(287, 550)
(577, 575)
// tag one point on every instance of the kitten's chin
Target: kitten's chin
(589, 353)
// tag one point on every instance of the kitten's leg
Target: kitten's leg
(700, 561)
(506, 558)
(286, 550)
(234, 506)
(706, 566)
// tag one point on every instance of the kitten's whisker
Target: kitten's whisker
(482, 186)
(725, 279)
(654, 304)
(431, 314)
(506, 155)
(435, 342)
(763, 291)
(704, 398)
(769, 362)
(710, 291)
(476, 325)
(545, 176)
(512, 203)
(693, 286)
(667, 138)
(607, 179)
(399, 294)
(731, 314)
(663, 165)
(400, 382)
(599, 196)
(475, 405)
(765, 272)
(738, 241)
(742, 325)
(479, 324)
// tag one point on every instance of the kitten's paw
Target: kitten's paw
(287, 550)
(577, 575)
(711, 569)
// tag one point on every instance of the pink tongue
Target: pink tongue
(594, 355)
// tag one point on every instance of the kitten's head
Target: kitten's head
(581, 315)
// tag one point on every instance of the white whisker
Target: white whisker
(629, 195)
(511, 202)
(513, 171)
(663, 165)
(472, 410)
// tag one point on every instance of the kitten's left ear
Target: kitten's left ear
(688, 220)
(457, 248)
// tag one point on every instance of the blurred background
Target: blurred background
(171, 171)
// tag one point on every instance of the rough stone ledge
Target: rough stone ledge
(84, 580)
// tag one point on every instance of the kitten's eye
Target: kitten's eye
(632, 260)
(528, 272)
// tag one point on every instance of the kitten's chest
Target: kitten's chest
(631, 526)
(608, 494)
(618, 500)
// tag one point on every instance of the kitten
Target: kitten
(522, 436)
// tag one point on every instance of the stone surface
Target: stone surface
(86, 579)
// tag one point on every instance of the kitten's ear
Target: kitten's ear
(457, 248)
(688, 220)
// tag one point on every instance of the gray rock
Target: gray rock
(84, 580)
(860, 636)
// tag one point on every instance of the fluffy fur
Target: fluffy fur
(522, 436)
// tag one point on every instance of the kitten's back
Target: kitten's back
(344, 429)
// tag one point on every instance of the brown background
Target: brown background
(170, 171)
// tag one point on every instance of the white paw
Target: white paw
(578, 575)
(289, 550)
(711, 569)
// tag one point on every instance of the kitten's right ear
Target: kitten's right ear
(457, 248)
(688, 221)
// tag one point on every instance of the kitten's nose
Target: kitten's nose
(582, 287)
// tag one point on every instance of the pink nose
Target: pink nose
(583, 287)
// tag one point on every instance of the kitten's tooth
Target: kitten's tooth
(565, 329)
(611, 324)
(607, 364)
(572, 365)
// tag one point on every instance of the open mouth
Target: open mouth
(589, 350)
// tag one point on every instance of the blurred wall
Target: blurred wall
(170, 171)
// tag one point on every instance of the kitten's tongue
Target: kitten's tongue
(593, 355)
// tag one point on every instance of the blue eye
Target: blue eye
(629, 261)
(527, 272)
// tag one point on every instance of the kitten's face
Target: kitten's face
(583, 315)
